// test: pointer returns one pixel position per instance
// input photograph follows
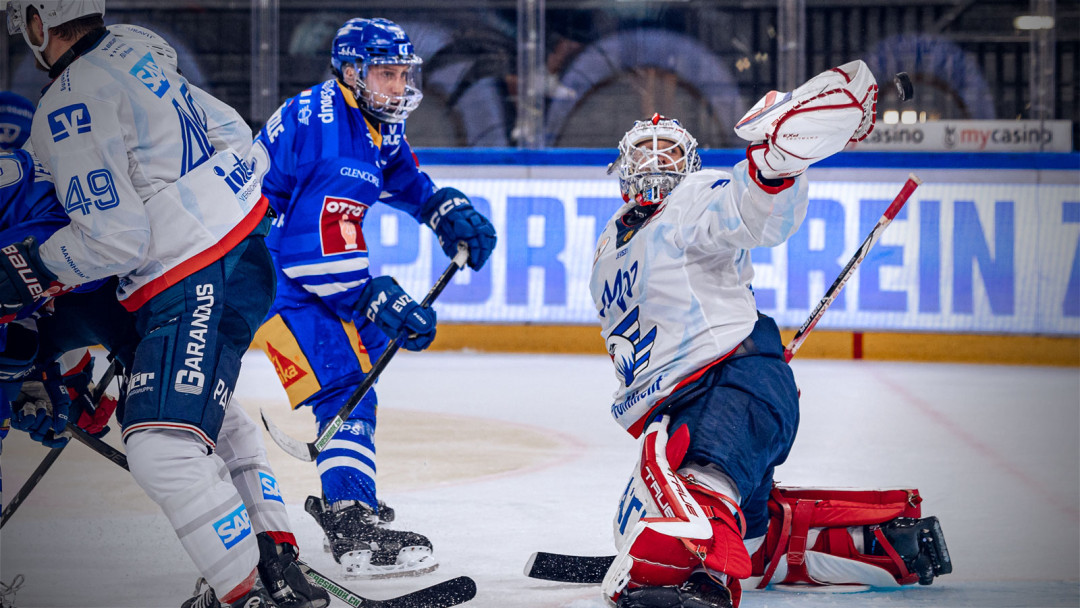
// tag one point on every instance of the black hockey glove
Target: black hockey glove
(24, 279)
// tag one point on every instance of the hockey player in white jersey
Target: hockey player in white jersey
(702, 376)
(154, 180)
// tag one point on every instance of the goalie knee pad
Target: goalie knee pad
(667, 527)
(850, 537)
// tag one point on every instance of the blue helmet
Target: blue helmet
(16, 116)
(361, 44)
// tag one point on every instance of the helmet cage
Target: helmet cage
(365, 43)
(649, 167)
(390, 108)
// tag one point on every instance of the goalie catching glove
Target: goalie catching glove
(791, 131)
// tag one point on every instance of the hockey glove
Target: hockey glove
(42, 408)
(452, 217)
(386, 304)
(89, 416)
(18, 348)
(24, 279)
(791, 131)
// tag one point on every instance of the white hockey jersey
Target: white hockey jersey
(150, 169)
(673, 293)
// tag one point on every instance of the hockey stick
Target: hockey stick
(441, 595)
(875, 233)
(581, 569)
(54, 453)
(309, 451)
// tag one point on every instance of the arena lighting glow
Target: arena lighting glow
(891, 117)
(1034, 22)
(909, 117)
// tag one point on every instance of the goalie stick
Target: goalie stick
(875, 233)
(441, 595)
(309, 451)
(564, 568)
(54, 453)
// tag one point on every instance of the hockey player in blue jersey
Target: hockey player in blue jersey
(333, 151)
(154, 177)
(16, 113)
(702, 378)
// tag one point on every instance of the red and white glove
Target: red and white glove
(666, 528)
(791, 131)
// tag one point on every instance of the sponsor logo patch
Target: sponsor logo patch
(69, 120)
(151, 75)
(288, 372)
(234, 527)
(270, 489)
(339, 225)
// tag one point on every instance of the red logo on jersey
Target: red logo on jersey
(340, 225)
(288, 372)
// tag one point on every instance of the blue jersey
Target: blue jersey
(28, 207)
(327, 166)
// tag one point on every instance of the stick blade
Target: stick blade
(443, 595)
(568, 568)
(293, 447)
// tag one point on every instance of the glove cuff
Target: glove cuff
(769, 180)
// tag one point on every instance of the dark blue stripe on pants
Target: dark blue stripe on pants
(743, 415)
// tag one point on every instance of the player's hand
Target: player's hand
(386, 304)
(23, 278)
(452, 217)
(42, 408)
(87, 415)
(791, 131)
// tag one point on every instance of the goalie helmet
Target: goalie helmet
(52, 13)
(365, 43)
(654, 156)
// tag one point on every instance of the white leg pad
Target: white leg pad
(240, 445)
(193, 491)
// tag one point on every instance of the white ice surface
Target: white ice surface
(993, 449)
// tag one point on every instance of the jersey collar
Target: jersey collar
(374, 129)
(87, 42)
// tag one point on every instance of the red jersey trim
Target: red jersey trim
(198, 261)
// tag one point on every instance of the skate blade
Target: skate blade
(797, 588)
(412, 561)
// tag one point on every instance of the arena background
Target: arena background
(526, 99)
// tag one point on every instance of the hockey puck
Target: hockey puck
(904, 88)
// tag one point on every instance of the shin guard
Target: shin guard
(666, 528)
(849, 537)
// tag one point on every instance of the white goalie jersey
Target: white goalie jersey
(673, 293)
(150, 169)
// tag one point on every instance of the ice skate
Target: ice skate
(384, 516)
(367, 549)
(699, 591)
(919, 542)
(283, 579)
(206, 598)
